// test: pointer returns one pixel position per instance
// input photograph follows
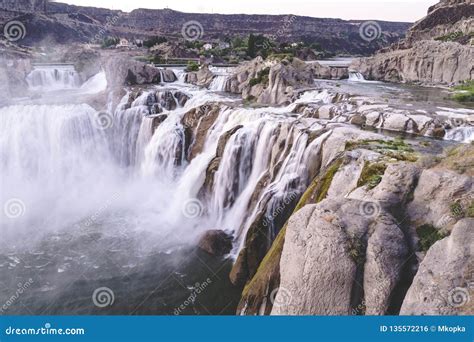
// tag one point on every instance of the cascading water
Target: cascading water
(53, 77)
(219, 83)
(118, 183)
(356, 77)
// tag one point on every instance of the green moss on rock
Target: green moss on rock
(428, 236)
(371, 174)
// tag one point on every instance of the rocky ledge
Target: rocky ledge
(378, 231)
(438, 49)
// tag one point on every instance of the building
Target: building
(123, 43)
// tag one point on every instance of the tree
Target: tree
(252, 46)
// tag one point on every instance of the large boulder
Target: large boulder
(339, 255)
(271, 82)
(438, 193)
(202, 78)
(121, 71)
(444, 284)
(216, 242)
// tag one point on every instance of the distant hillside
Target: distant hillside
(66, 23)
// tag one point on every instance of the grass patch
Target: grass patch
(470, 210)
(457, 210)
(464, 92)
(451, 37)
(371, 174)
(262, 77)
(397, 144)
(356, 250)
(428, 235)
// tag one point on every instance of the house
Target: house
(207, 46)
(123, 43)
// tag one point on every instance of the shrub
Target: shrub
(192, 66)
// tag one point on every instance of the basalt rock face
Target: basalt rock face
(123, 71)
(443, 284)
(438, 49)
(446, 17)
(271, 82)
(427, 62)
(68, 23)
(202, 78)
(371, 226)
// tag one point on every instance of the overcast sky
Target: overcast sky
(393, 10)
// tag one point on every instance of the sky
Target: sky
(391, 10)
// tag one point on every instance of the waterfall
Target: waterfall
(219, 83)
(356, 76)
(53, 77)
(95, 84)
(140, 151)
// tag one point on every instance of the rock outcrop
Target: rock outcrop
(427, 62)
(216, 242)
(444, 282)
(438, 49)
(202, 78)
(271, 82)
(122, 71)
(369, 249)
(373, 215)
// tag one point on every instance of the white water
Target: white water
(63, 165)
(95, 84)
(219, 83)
(53, 77)
(66, 167)
(356, 77)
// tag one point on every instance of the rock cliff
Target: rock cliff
(68, 23)
(437, 50)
